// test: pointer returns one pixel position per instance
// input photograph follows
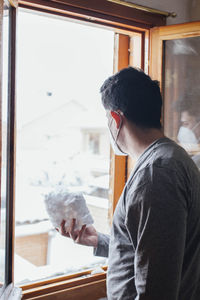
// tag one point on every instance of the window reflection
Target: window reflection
(182, 94)
(189, 131)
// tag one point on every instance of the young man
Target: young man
(154, 247)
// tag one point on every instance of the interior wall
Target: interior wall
(186, 10)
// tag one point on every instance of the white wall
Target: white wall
(186, 10)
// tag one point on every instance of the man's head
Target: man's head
(189, 109)
(136, 95)
(188, 119)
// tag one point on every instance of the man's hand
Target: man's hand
(86, 236)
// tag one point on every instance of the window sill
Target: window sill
(65, 284)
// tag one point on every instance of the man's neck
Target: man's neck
(140, 139)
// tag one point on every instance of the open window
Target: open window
(175, 63)
(62, 142)
(55, 133)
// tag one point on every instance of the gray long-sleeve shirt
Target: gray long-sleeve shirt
(154, 247)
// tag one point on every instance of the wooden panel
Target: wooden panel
(135, 59)
(117, 180)
(179, 31)
(118, 163)
(156, 59)
(56, 287)
(139, 45)
(33, 248)
(155, 67)
(107, 7)
(90, 291)
(102, 10)
(66, 281)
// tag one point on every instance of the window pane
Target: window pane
(62, 138)
(182, 94)
(4, 141)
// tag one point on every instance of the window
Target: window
(175, 63)
(42, 141)
(182, 94)
(62, 140)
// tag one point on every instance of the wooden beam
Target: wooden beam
(89, 291)
(118, 164)
(57, 287)
(99, 10)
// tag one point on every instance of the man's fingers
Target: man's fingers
(72, 233)
(67, 234)
(72, 225)
(63, 230)
(62, 227)
(78, 238)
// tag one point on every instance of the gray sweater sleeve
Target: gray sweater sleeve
(103, 245)
(156, 216)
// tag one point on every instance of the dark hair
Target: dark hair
(136, 95)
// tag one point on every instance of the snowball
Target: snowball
(63, 205)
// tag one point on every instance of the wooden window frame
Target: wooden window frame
(100, 12)
(11, 150)
(124, 21)
(158, 36)
(164, 33)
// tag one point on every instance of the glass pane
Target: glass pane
(182, 94)
(62, 138)
(4, 141)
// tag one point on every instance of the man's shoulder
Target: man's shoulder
(169, 155)
(168, 161)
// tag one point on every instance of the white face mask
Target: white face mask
(186, 136)
(115, 147)
(113, 140)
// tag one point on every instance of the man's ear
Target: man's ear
(116, 117)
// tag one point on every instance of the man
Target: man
(154, 247)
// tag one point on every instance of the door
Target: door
(175, 63)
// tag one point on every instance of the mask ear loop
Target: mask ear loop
(193, 128)
(120, 125)
(109, 126)
(118, 129)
